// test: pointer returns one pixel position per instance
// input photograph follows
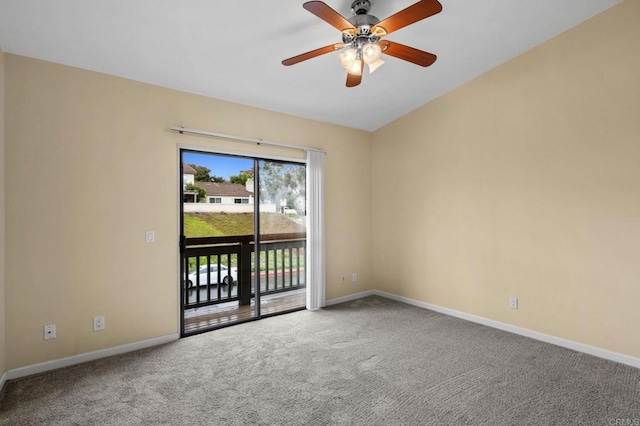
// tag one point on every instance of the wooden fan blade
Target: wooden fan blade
(414, 13)
(327, 14)
(352, 79)
(400, 51)
(313, 54)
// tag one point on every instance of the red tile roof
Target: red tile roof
(187, 169)
(215, 189)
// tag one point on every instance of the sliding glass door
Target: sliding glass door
(283, 237)
(228, 273)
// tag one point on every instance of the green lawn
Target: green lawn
(220, 224)
(195, 227)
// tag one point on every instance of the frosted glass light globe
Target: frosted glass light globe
(371, 53)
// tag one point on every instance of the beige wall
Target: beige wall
(91, 165)
(523, 182)
(527, 183)
(2, 168)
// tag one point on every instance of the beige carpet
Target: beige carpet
(368, 362)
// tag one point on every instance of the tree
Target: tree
(202, 173)
(201, 192)
(295, 184)
(241, 178)
(271, 181)
(218, 179)
(280, 181)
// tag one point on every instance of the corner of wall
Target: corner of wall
(521, 183)
(39, 96)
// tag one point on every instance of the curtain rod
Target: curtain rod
(243, 139)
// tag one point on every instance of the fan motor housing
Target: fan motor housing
(363, 21)
(360, 7)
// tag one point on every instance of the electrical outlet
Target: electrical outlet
(342, 280)
(49, 331)
(150, 237)
(354, 277)
(513, 302)
(98, 323)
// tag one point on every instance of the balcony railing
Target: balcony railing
(223, 269)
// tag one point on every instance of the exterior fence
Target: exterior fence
(222, 269)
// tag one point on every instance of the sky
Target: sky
(220, 165)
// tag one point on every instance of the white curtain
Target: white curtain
(315, 231)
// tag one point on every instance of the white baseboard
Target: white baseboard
(88, 356)
(351, 297)
(558, 341)
(103, 353)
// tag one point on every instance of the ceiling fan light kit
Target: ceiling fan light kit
(371, 52)
(362, 33)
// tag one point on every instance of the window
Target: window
(241, 200)
(215, 200)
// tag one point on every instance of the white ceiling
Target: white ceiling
(232, 50)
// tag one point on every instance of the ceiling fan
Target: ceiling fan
(362, 34)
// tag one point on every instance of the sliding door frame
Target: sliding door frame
(256, 158)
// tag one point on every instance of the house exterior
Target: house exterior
(226, 193)
(188, 174)
(221, 197)
(217, 193)
(188, 177)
